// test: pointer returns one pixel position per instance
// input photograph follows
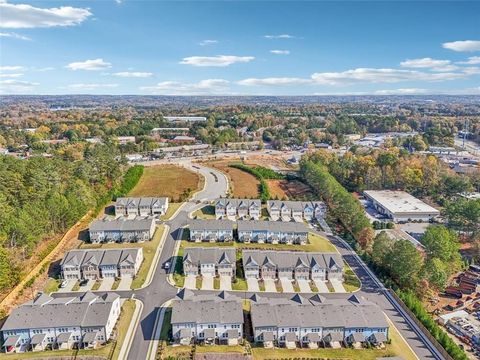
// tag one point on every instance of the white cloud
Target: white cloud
(429, 63)
(17, 16)
(465, 45)
(217, 61)
(411, 91)
(280, 52)
(471, 70)
(372, 75)
(11, 68)
(207, 42)
(96, 64)
(15, 75)
(280, 36)
(472, 60)
(133, 74)
(93, 86)
(12, 86)
(14, 36)
(203, 87)
(274, 81)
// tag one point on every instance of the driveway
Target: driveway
(225, 283)
(68, 287)
(270, 285)
(106, 284)
(321, 286)
(252, 284)
(337, 286)
(304, 286)
(87, 286)
(287, 285)
(190, 282)
(207, 282)
(125, 283)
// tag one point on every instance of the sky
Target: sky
(239, 47)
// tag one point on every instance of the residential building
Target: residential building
(98, 264)
(146, 206)
(207, 318)
(45, 323)
(292, 265)
(317, 321)
(211, 230)
(122, 230)
(238, 209)
(211, 261)
(273, 232)
(400, 206)
(295, 210)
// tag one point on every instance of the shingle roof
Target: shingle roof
(199, 224)
(129, 255)
(291, 259)
(122, 224)
(258, 225)
(73, 258)
(210, 255)
(111, 257)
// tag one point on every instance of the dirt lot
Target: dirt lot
(269, 161)
(167, 180)
(243, 184)
(289, 190)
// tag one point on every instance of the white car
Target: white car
(167, 265)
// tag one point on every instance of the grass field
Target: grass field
(243, 185)
(351, 283)
(52, 285)
(103, 352)
(149, 249)
(289, 190)
(167, 180)
(166, 325)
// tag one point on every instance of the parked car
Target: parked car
(167, 265)
(83, 282)
(63, 284)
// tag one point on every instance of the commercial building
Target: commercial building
(207, 318)
(48, 323)
(318, 322)
(400, 206)
(122, 230)
(144, 206)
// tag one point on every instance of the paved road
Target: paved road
(160, 291)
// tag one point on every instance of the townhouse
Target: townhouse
(97, 264)
(145, 206)
(211, 230)
(44, 323)
(273, 232)
(207, 318)
(292, 265)
(318, 322)
(238, 209)
(211, 261)
(295, 210)
(122, 230)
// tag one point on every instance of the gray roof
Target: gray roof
(333, 336)
(73, 258)
(85, 310)
(122, 224)
(64, 337)
(330, 313)
(233, 334)
(258, 225)
(268, 336)
(204, 309)
(378, 337)
(209, 333)
(292, 259)
(111, 257)
(129, 255)
(294, 205)
(11, 340)
(89, 337)
(313, 337)
(37, 339)
(198, 224)
(92, 257)
(210, 255)
(238, 202)
(185, 333)
(290, 336)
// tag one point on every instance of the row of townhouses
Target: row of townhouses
(267, 264)
(278, 210)
(207, 318)
(122, 229)
(97, 264)
(145, 206)
(318, 321)
(295, 210)
(312, 322)
(238, 209)
(210, 261)
(45, 323)
(273, 232)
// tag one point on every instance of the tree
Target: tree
(464, 214)
(382, 246)
(442, 243)
(365, 238)
(435, 271)
(405, 263)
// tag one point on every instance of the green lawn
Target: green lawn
(216, 283)
(239, 284)
(96, 285)
(76, 287)
(344, 354)
(52, 285)
(115, 284)
(351, 283)
(261, 285)
(219, 349)
(313, 287)
(296, 287)
(198, 282)
(172, 207)
(103, 352)
(166, 324)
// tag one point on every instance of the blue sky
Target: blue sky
(239, 48)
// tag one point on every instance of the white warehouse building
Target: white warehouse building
(400, 206)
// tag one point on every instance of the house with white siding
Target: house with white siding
(211, 230)
(273, 232)
(144, 206)
(295, 210)
(233, 209)
(48, 323)
(210, 261)
(138, 229)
